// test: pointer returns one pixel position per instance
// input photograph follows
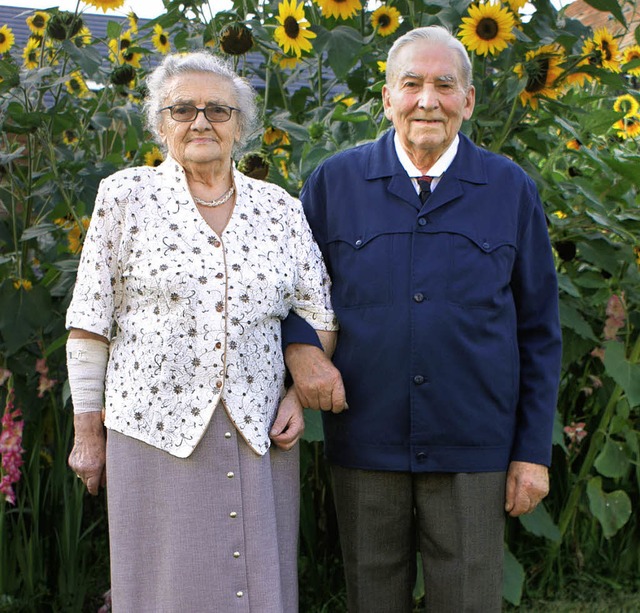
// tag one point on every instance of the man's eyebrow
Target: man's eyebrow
(449, 78)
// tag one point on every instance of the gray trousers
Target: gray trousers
(456, 520)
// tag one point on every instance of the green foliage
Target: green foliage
(57, 145)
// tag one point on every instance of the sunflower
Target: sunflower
(38, 22)
(382, 66)
(236, 39)
(626, 104)
(133, 22)
(515, 5)
(292, 34)
(254, 165)
(574, 144)
(575, 76)
(274, 136)
(632, 53)
(119, 46)
(153, 157)
(25, 284)
(385, 20)
(606, 53)
(487, 29)
(82, 38)
(105, 5)
(340, 9)
(7, 39)
(542, 68)
(31, 53)
(76, 85)
(69, 137)
(74, 238)
(160, 39)
(344, 100)
(285, 61)
(628, 127)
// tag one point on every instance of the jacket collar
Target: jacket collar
(467, 167)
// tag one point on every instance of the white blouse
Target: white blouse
(193, 317)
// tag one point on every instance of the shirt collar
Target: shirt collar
(438, 169)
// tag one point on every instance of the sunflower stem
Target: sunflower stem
(497, 143)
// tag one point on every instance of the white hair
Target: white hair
(177, 64)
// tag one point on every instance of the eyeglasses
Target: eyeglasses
(215, 113)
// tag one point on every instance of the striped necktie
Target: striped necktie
(424, 183)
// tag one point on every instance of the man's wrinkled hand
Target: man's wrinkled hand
(527, 485)
(317, 381)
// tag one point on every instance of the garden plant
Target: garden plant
(555, 96)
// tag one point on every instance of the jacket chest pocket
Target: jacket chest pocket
(480, 271)
(360, 268)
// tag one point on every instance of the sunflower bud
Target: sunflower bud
(566, 250)
(316, 130)
(64, 25)
(254, 165)
(123, 75)
(236, 40)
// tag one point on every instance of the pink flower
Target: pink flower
(10, 449)
(575, 433)
(615, 316)
(44, 384)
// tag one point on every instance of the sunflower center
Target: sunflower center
(538, 75)
(384, 21)
(606, 50)
(163, 39)
(291, 27)
(487, 28)
(124, 43)
(74, 84)
(38, 21)
(2, 38)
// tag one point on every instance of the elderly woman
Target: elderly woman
(186, 273)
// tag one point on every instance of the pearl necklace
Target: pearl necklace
(219, 201)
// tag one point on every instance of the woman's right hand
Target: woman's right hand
(88, 456)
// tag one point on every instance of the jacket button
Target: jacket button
(418, 379)
(358, 243)
(419, 297)
(421, 455)
(422, 221)
(486, 246)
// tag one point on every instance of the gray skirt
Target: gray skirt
(215, 532)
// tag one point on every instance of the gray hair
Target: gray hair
(437, 35)
(177, 64)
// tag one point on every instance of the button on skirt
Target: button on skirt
(214, 532)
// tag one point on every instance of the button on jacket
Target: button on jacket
(449, 342)
(193, 317)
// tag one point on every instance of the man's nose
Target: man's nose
(428, 97)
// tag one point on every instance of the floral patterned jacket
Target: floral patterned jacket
(193, 317)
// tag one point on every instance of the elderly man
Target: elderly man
(449, 346)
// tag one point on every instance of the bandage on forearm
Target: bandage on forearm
(87, 366)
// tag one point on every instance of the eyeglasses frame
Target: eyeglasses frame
(198, 111)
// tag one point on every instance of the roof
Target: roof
(595, 19)
(15, 17)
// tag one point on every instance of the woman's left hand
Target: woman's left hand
(289, 424)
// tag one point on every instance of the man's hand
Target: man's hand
(317, 381)
(87, 458)
(527, 485)
(289, 424)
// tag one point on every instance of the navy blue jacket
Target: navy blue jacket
(449, 342)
